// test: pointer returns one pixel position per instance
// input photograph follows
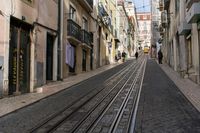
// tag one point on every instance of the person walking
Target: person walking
(136, 55)
(123, 56)
(160, 56)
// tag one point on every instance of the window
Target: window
(29, 2)
(72, 13)
(85, 24)
(144, 17)
(177, 6)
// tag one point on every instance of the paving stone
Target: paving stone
(162, 107)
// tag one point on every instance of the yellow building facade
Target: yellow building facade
(77, 37)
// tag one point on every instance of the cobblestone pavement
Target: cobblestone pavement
(24, 119)
(162, 107)
(10, 104)
(187, 87)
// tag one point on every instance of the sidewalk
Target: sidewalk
(10, 104)
(186, 86)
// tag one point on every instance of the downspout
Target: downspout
(60, 40)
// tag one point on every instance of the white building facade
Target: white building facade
(144, 31)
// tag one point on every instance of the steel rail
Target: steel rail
(135, 109)
(59, 124)
(116, 122)
(94, 124)
(40, 125)
(94, 121)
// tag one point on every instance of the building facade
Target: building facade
(77, 37)
(156, 28)
(132, 29)
(44, 41)
(26, 35)
(144, 23)
(180, 20)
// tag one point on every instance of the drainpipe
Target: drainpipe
(60, 40)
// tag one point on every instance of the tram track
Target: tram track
(68, 110)
(112, 124)
(72, 124)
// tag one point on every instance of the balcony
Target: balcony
(161, 5)
(193, 14)
(102, 11)
(73, 30)
(166, 4)
(87, 37)
(184, 28)
(87, 4)
(161, 30)
(190, 2)
(164, 19)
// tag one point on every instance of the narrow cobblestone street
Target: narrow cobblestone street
(162, 106)
(100, 66)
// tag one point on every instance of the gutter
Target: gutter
(60, 40)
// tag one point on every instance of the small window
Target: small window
(85, 24)
(144, 17)
(177, 6)
(72, 13)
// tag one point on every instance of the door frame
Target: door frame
(20, 26)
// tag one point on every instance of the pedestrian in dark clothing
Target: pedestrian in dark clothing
(160, 56)
(123, 56)
(119, 55)
(136, 54)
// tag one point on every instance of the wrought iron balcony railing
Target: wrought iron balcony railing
(87, 37)
(90, 2)
(87, 4)
(73, 29)
(190, 2)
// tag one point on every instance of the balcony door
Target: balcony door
(85, 24)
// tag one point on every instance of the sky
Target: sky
(142, 5)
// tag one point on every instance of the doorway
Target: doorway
(84, 60)
(189, 54)
(19, 57)
(49, 56)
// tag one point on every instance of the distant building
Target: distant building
(144, 31)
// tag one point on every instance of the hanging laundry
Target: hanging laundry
(70, 55)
